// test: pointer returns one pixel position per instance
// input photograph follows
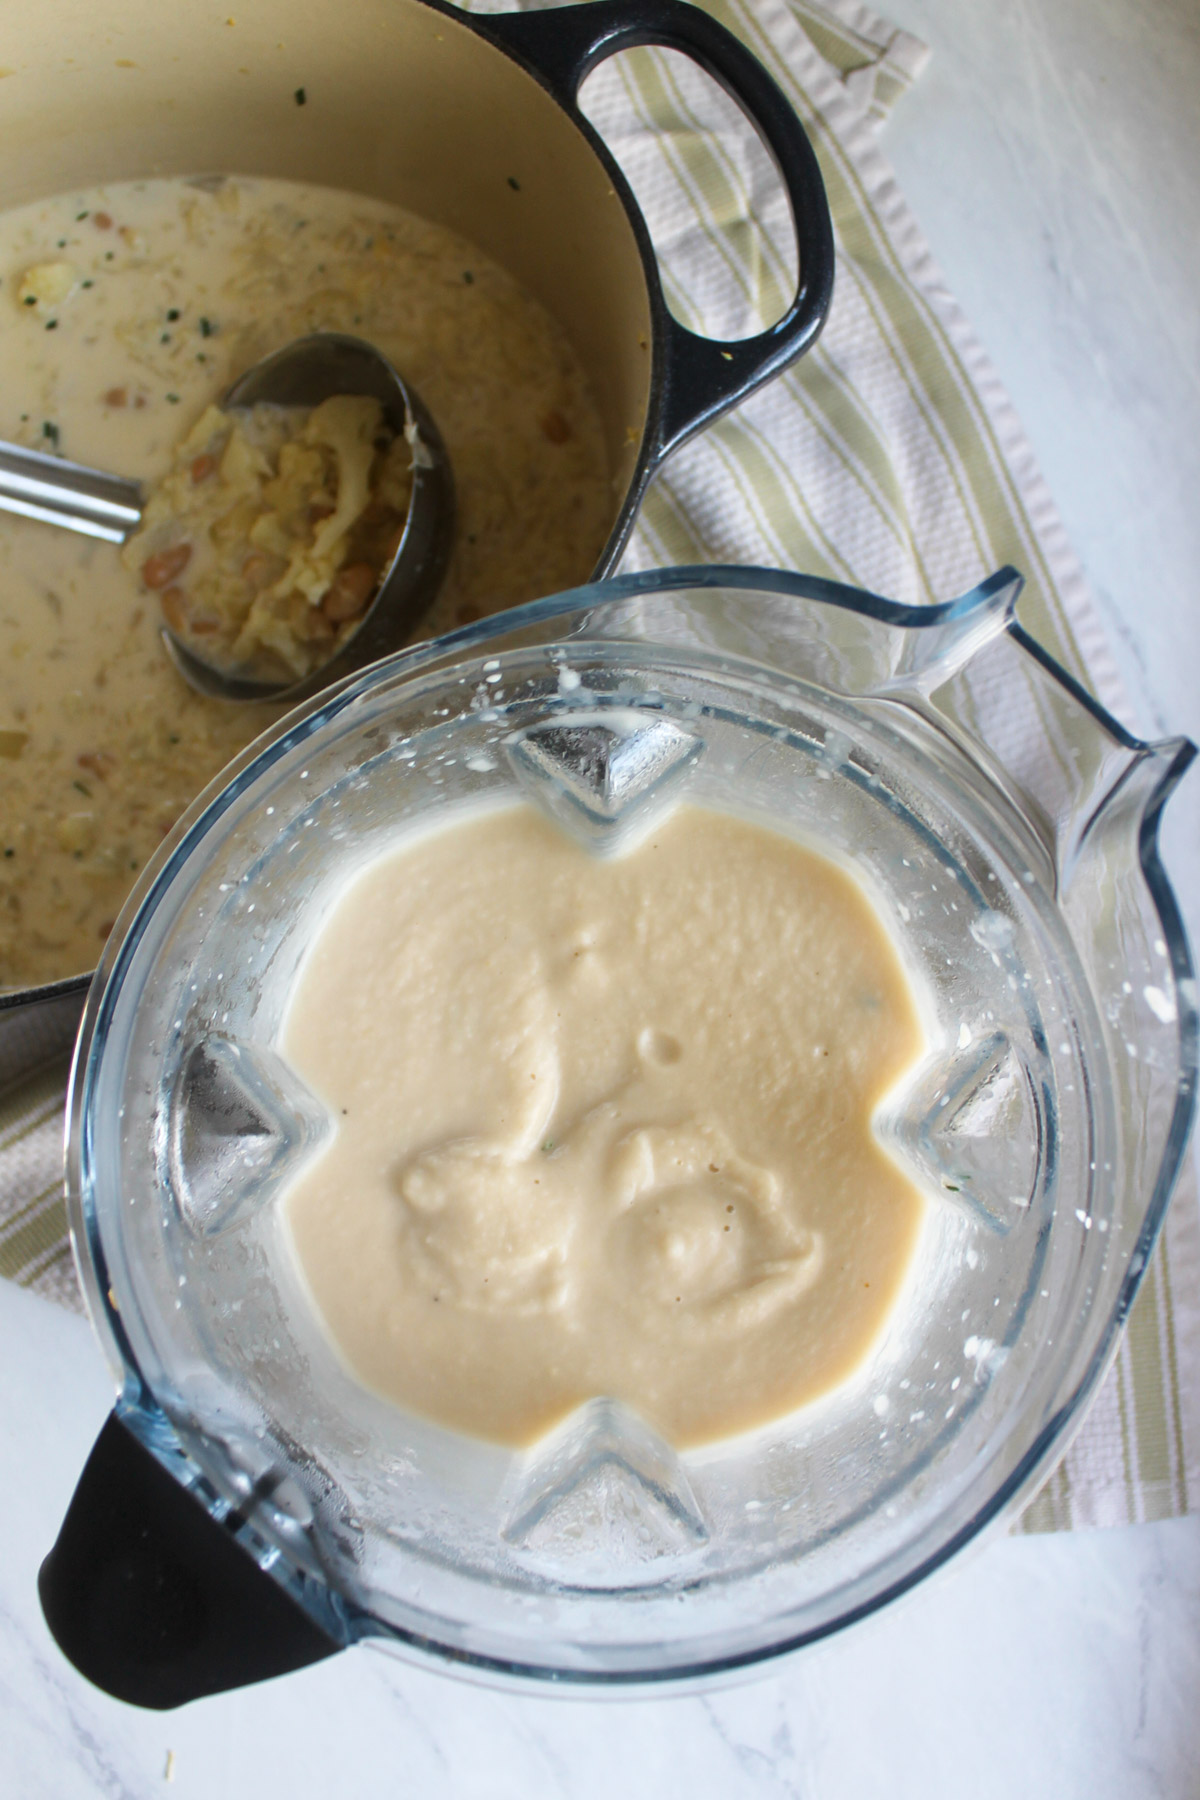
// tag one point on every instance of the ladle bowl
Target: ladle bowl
(302, 374)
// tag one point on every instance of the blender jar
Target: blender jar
(250, 1506)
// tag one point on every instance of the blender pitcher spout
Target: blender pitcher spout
(947, 638)
(1130, 806)
(1108, 782)
(1008, 826)
(1068, 768)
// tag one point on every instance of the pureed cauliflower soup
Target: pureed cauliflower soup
(603, 1125)
(125, 312)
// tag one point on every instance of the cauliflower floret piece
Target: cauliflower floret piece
(47, 284)
(349, 424)
(242, 465)
(271, 529)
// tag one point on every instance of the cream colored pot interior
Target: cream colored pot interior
(399, 102)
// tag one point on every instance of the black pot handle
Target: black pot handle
(152, 1599)
(704, 377)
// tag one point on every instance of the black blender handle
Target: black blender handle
(704, 376)
(152, 1599)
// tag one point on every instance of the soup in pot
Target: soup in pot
(124, 313)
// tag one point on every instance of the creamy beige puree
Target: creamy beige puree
(124, 313)
(604, 1126)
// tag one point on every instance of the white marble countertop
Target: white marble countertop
(1052, 155)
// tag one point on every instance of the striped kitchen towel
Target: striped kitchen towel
(889, 458)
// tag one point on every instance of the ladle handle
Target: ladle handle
(37, 486)
(152, 1599)
(703, 377)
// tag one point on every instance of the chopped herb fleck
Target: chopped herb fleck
(82, 215)
(206, 327)
(172, 313)
(31, 299)
(88, 283)
(173, 399)
(108, 255)
(85, 791)
(172, 737)
(133, 865)
(200, 356)
(50, 430)
(165, 338)
(62, 243)
(51, 324)
(548, 1146)
(24, 418)
(300, 97)
(468, 278)
(514, 184)
(9, 851)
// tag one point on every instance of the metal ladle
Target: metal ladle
(302, 374)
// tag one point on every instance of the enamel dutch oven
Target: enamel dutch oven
(471, 122)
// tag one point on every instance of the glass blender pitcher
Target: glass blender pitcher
(249, 1507)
